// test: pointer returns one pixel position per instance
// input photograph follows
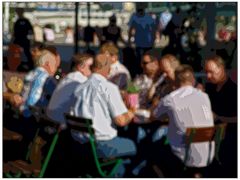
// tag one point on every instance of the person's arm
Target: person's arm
(121, 115)
(14, 99)
(124, 119)
(35, 92)
(228, 119)
(160, 110)
(225, 119)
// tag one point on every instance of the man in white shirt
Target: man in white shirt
(100, 100)
(62, 97)
(186, 107)
(119, 74)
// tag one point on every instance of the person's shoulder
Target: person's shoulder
(76, 76)
(200, 92)
(111, 86)
(134, 16)
(231, 84)
(149, 17)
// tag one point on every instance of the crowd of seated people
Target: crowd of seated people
(167, 89)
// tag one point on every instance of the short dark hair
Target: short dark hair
(52, 49)
(151, 55)
(184, 73)
(39, 45)
(80, 59)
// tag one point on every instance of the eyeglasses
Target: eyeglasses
(145, 63)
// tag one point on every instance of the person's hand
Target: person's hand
(17, 100)
(132, 109)
(151, 92)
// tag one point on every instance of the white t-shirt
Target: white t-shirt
(119, 75)
(187, 107)
(62, 98)
(118, 68)
(99, 100)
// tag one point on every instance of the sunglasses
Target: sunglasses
(145, 63)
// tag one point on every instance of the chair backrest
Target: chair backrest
(79, 124)
(205, 134)
(84, 125)
(199, 134)
(195, 135)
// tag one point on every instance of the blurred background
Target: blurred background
(202, 26)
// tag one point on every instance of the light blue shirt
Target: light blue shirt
(33, 87)
(63, 96)
(99, 100)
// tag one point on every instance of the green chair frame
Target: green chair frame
(47, 122)
(84, 125)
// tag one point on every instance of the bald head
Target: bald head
(184, 75)
(101, 61)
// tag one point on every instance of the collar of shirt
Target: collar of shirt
(42, 70)
(99, 77)
(185, 91)
(77, 76)
(115, 65)
(114, 68)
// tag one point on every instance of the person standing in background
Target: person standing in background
(144, 26)
(23, 32)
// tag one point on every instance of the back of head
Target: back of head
(45, 57)
(113, 19)
(101, 64)
(184, 75)
(140, 8)
(109, 48)
(20, 11)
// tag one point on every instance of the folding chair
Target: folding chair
(34, 169)
(196, 135)
(84, 125)
(205, 134)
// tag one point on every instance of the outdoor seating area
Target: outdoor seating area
(148, 90)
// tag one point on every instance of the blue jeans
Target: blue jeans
(116, 147)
